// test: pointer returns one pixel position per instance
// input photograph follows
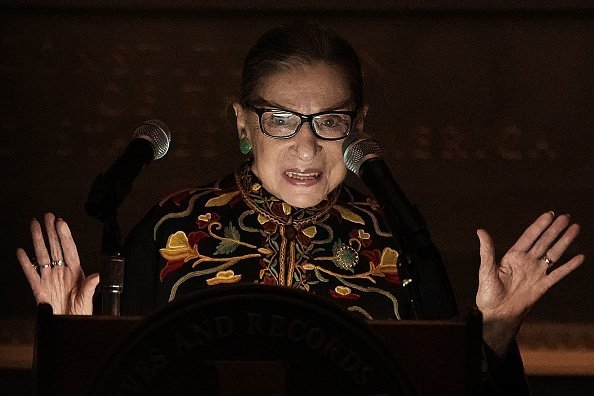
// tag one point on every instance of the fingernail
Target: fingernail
(552, 213)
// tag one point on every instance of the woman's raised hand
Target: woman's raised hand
(56, 277)
(508, 289)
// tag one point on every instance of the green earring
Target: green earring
(245, 146)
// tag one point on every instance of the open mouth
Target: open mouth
(303, 175)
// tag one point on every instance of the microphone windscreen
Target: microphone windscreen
(358, 148)
(158, 134)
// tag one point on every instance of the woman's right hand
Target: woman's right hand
(56, 277)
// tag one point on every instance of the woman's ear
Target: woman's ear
(360, 120)
(240, 120)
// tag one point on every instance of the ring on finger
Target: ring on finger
(548, 261)
(57, 263)
(45, 266)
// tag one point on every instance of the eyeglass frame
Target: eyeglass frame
(304, 118)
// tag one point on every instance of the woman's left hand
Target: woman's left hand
(507, 290)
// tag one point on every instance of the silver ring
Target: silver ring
(548, 261)
(57, 263)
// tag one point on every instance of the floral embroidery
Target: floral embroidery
(178, 251)
(205, 219)
(362, 237)
(389, 265)
(255, 237)
(181, 198)
(362, 234)
(349, 214)
(343, 292)
(224, 277)
(221, 199)
(384, 265)
(287, 208)
(345, 257)
(310, 232)
(231, 241)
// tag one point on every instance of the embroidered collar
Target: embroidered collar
(271, 207)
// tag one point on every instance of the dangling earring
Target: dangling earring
(245, 146)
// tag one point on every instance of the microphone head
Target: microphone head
(358, 148)
(158, 134)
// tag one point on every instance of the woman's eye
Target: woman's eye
(330, 121)
(280, 119)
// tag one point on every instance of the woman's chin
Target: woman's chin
(303, 199)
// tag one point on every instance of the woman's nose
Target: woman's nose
(306, 143)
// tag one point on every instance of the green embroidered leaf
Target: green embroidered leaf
(231, 232)
(230, 244)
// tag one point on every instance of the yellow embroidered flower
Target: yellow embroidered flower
(389, 261)
(223, 277)
(287, 208)
(310, 232)
(349, 215)
(221, 199)
(363, 235)
(342, 290)
(178, 248)
(205, 217)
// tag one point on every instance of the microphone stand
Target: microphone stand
(108, 191)
(112, 267)
(435, 297)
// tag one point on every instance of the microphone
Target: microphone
(108, 191)
(363, 156)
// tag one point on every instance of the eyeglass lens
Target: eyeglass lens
(330, 126)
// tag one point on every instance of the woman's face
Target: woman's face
(303, 169)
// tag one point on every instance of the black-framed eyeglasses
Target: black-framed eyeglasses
(284, 124)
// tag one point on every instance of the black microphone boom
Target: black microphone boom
(108, 191)
(151, 142)
(363, 156)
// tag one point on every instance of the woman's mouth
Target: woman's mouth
(305, 178)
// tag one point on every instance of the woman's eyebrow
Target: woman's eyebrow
(271, 104)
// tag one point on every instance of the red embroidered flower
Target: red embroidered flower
(269, 227)
(268, 280)
(392, 278)
(195, 237)
(374, 256)
(181, 198)
(303, 239)
(277, 209)
(204, 220)
(362, 236)
(343, 293)
(170, 267)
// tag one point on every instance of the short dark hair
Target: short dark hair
(298, 44)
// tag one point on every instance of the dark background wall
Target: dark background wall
(485, 111)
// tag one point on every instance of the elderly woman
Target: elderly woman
(286, 218)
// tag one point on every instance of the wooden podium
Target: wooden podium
(255, 340)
